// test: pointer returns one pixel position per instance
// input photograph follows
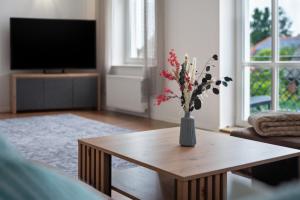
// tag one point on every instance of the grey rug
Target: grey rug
(52, 139)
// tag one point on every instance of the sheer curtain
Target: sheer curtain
(128, 38)
(104, 45)
(150, 58)
(155, 48)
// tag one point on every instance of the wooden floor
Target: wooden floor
(117, 119)
(121, 120)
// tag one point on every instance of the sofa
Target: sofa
(25, 180)
(276, 173)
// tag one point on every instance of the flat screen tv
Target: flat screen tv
(48, 44)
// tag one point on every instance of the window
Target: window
(268, 56)
(135, 43)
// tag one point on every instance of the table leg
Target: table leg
(182, 190)
(206, 188)
(94, 168)
(105, 167)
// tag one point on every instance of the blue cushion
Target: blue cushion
(23, 180)
(287, 192)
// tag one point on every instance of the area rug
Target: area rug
(52, 139)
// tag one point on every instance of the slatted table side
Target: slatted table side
(206, 188)
(94, 167)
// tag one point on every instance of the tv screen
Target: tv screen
(52, 44)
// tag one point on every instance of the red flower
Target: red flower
(167, 75)
(168, 91)
(190, 87)
(161, 98)
(164, 97)
(173, 60)
(188, 80)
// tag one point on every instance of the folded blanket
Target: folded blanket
(276, 123)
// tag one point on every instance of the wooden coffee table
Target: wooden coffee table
(167, 170)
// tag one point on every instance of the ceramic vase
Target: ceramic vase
(187, 131)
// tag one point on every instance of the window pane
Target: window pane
(137, 29)
(289, 89)
(260, 89)
(136, 24)
(289, 30)
(151, 28)
(259, 38)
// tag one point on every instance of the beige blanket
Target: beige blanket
(276, 123)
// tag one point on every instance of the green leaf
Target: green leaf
(215, 57)
(216, 91)
(197, 104)
(225, 83)
(227, 79)
(208, 76)
(192, 108)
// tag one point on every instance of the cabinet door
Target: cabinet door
(30, 94)
(58, 93)
(85, 92)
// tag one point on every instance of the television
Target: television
(52, 44)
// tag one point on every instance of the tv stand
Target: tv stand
(54, 72)
(39, 91)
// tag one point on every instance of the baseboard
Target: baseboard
(4, 109)
(161, 116)
(106, 108)
(155, 114)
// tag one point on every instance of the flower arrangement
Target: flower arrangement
(193, 82)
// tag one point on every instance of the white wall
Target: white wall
(67, 9)
(227, 61)
(191, 26)
(194, 27)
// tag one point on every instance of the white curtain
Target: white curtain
(150, 59)
(129, 34)
(155, 48)
(104, 45)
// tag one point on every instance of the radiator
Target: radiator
(125, 93)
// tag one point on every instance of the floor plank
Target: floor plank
(118, 119)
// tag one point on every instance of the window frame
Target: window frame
(274, 65)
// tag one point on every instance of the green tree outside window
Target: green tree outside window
(261, 79)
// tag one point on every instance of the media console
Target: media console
(38, 91)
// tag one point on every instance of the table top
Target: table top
(214, 153)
